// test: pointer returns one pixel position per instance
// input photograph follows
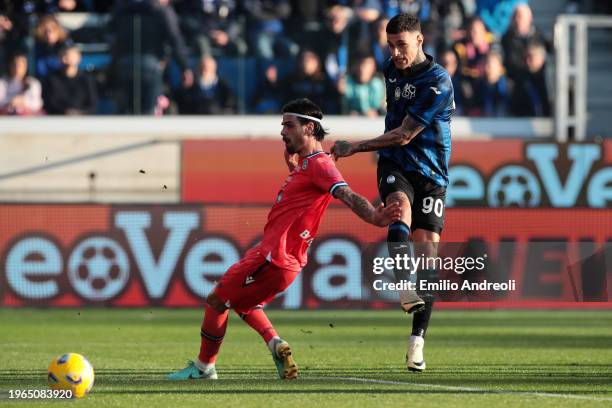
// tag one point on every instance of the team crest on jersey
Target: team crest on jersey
(398, 93)
(409, 91)
(305, 164)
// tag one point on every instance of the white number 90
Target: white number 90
(430, 204)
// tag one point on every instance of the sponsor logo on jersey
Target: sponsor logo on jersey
(409, 91)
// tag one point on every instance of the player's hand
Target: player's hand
(291, 160)
(386, 215)
(342, 148)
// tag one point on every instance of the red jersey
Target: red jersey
(294, 219)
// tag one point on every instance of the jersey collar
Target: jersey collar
(419, 68)
(313, 154)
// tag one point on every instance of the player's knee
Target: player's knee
(216, 303)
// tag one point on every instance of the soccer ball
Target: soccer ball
(71, 371)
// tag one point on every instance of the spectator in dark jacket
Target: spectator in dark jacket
(265, 26)
(70, 91)
(143, 30)
(310, 79)
(532, 96)
(212, 26)
(514, 42)
(50, 39)
(209, 95)
(268, 98)
(493, 92)
(462, 89)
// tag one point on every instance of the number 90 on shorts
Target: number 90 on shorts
(435, 205)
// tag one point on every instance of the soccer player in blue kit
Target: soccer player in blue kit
(413, 161)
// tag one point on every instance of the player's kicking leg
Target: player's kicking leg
(399, 244)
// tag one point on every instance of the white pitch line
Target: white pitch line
(471, 389)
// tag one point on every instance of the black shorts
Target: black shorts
(427, 198)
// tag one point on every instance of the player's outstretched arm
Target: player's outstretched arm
(399, 136)
(379, 216)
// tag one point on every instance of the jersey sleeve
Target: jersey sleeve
(433, 98)
(326, 176)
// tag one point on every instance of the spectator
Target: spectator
(462, 89)
(514, 42)
(310, 79)
(14, 30)
(64, 6)
(268, 98)
(70, 91)
(143, 30)
(532, 96)
(380, 48)
(451, 16)
(419, 8)
(50, 39)
(336, 41)
(494, 90)
(265, 21)
(211, 26)
(305, 23)
(496, 14)
(363, 92)
(19, 93)
(366, 12)
(473, 49)
(209, 95)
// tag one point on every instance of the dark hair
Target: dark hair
(305, 106)
(403, 22)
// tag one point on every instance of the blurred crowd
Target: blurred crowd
(249, 56)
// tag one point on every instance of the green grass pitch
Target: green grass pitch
(347, 358)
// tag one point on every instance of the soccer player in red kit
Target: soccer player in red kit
(268, 268)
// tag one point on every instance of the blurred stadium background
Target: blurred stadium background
(149, 174)
(140, 153)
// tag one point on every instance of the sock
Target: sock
(213, 331)
(420, 320)
(398, 243)
(272, 343)
(258, 320)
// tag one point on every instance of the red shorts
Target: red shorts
(252, 281)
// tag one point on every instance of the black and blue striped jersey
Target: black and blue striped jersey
(426, 94)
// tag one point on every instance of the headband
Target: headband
(303, 116)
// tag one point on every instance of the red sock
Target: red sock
(213, 331)
(258, 320)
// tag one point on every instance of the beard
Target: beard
(290, 149)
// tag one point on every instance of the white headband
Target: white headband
(303, 116)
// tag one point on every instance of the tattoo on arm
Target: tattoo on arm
(410, 128)
(357, 203)
(395, 137)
